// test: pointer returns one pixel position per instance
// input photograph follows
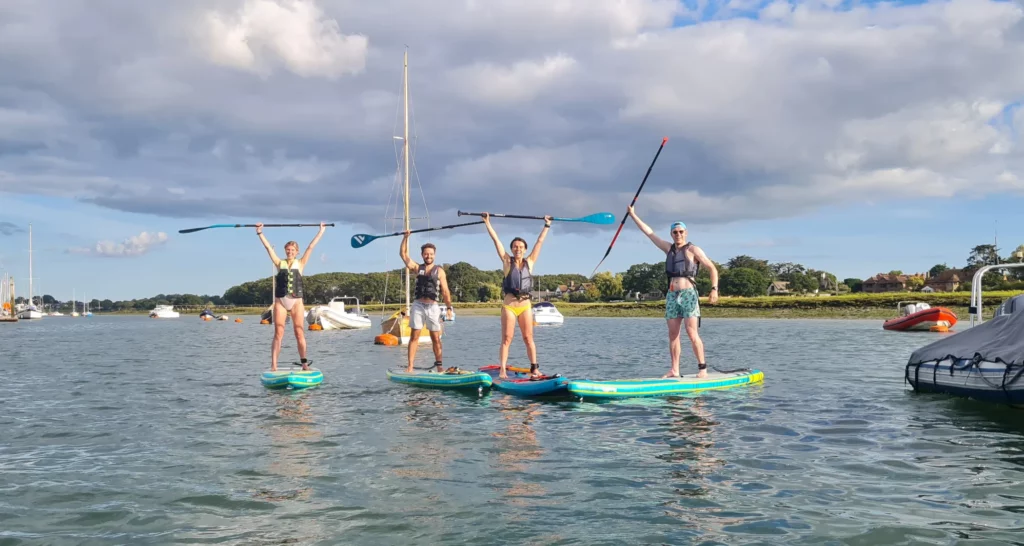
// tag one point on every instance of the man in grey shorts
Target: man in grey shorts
(431, 282)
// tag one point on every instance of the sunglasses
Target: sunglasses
(678, 232)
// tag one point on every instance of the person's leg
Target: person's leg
(698, 345)
(508, 331)
(416, 320)
(298, 322)
(435, 328)
(525, 321)
(275, 347)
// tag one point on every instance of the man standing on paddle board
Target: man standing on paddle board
(288, 298)
(516, 287)
(682, 306)
(431, 281)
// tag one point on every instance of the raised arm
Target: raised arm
(404, 253)
(266, 244)
(532, 258)
(658, 241)
(698, 253)
(309, 249)
(494, 237)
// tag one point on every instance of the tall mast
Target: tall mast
(405, 145)
(30, 267)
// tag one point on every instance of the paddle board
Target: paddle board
(520, 383)
(629, 388)
(296, 379)
(461, 379)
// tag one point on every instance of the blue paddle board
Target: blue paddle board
(520, 383)
(630, 388)
(460, 379)
(295, 379)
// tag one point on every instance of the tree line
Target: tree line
(739, 276)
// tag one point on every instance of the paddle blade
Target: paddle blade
(360, 240)
(193, 230)
(603, 218)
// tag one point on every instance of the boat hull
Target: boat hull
(520, 384)
(29, 314)
(986, 381)
(923, 320)
(398, 326)
(633, 388)
(328, 319)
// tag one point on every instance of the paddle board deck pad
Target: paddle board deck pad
(448, 379)
(296, 379)
(629, 388)
(520, 383)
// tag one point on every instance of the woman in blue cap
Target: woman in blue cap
(682, 260)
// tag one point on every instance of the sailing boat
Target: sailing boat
(395, 330)
(29, 310)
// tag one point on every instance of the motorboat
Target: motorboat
(206, 313)
(918, 316)
(27, 311)
(164, 311)
(335, 316)
(984, 362)
(545, 312)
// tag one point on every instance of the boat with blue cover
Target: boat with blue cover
(984, 362)
(632, 388)
(520, 383)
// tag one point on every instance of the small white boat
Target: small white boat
(29, 312)
(164, 311)
(545, 312)
(334, 315)
(222, 317)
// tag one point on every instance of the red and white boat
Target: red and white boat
(917, 316)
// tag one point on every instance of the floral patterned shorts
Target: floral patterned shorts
(682, 304)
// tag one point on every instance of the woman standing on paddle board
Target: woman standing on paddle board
(288, 298)
(682, 260)
(516, 287)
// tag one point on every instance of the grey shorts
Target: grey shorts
(428, 313)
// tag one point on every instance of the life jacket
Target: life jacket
(289, 280)
(677, 264)
(428, 285)
(519, 281)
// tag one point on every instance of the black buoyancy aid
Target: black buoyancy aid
(428, 285)
(677, 264)
(289, 280)
(519, 281)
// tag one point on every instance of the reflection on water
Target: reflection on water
(517, 448)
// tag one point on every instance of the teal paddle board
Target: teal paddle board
(630, 388)
(455, 379)
(295, 379)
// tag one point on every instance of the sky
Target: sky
(853, 137)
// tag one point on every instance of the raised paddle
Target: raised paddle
(596, 218)
(609, 251)
(195, 229)
(360, 240)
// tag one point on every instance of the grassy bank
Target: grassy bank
(863, 306)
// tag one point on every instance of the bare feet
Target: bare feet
(503, 374)
(671, 374)
(702, 373)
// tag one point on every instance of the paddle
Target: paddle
(193, 230)
(361, 239)
(596, 218)
(607, 252)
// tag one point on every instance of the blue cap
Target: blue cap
(677, 224)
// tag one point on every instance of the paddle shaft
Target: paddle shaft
(193, 230)
(633, 202)
(496, 215)
(362, 239)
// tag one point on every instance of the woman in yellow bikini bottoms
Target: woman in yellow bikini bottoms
(516, 307)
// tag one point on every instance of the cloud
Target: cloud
(135, 245)
(287, 109)
(7, 228)
(293, 32)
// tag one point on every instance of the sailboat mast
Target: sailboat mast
(30, 267)
(405, 144)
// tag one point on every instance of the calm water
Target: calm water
(127, 430)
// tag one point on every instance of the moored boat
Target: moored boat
(920, 316)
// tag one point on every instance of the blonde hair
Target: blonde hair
(292, 243)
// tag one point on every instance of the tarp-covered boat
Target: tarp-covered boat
(985, 362)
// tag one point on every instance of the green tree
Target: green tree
(743, 281)
(854, 284)
(915, 283)
(609, 286)
(463, 280)
(747, 262)
(936, 269)
(488, 292)
(644, 278)
(983, 255)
